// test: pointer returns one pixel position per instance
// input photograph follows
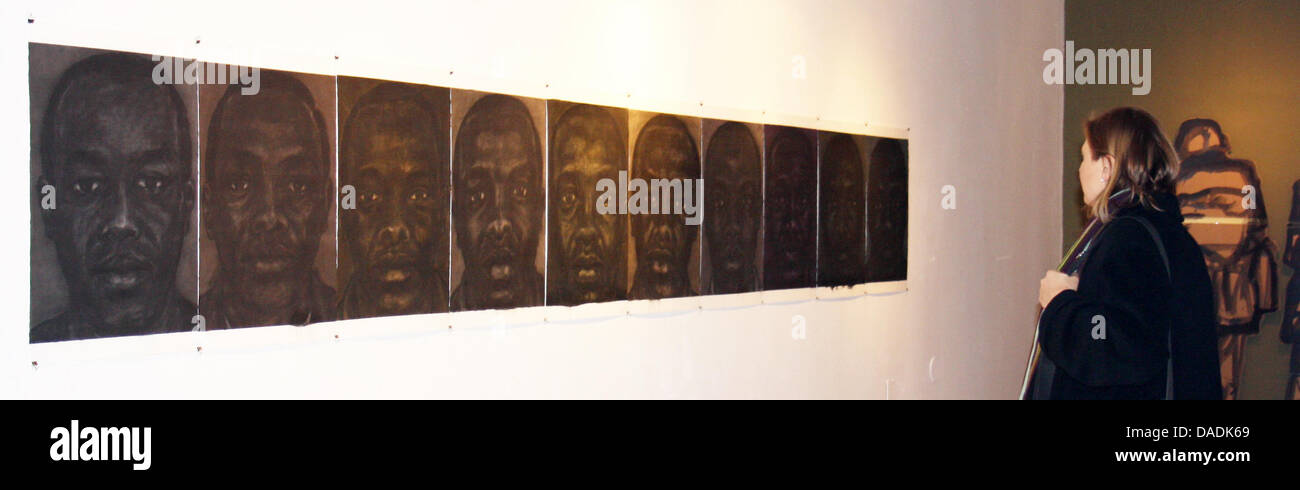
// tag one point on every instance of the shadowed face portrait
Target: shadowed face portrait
(664, 150)
(588, 251)
(394, 159)
(843, 244)
(115, 147)
(499, 205)
(790, 255)
(267, 195)
(733, 207)
(887, 212)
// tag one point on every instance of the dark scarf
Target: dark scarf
(1073, 260)
(1038, 379)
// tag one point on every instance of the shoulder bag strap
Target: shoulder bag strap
(1160, 246)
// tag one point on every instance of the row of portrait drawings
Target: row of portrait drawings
(317, 198)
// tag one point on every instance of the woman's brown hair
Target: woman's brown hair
(1145, 162)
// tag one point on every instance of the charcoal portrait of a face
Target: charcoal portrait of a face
(114, 194)
(665, 152)
(842, 218)
(733, 208)
(587, 254)
(394, 155)
(499, 205)
(267, 197)
(887, 211)
(790, 253)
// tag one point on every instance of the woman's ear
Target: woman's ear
(1107, 166)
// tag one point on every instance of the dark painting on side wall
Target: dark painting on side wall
(664, 239)
(268, 202)
(790, 222)
(113, 196)
(1232, 232)
(1231, 225)
(266, 197)
(393, 216)
(842, 210)
(887, 210)
(499, 203)
(587, 255)
(733, 205)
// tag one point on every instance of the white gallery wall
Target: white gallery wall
(960, 79)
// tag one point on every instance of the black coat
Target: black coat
(1123, 282)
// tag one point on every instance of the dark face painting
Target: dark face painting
(842, 247)
(394, 154)
(587, 256)
(790, 254)
(499, 205)
(887, 211)
(665, 150)
(733, 207)
(115, 149)
(267, 194)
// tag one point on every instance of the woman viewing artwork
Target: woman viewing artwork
(1129, 314)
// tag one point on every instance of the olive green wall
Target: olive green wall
(1235, 62)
